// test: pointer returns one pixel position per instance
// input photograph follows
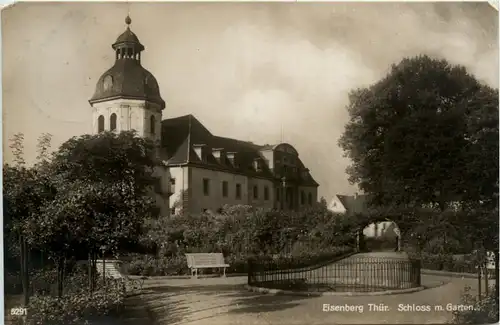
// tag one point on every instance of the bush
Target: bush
(445, 262)
(77, 306)
(485, 310)
(148, 265)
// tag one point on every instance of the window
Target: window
(224, 189)
(302, 198)
(112, 122)
(100, 123)
(238, 191)
(206, 186)
(152, 124)
(278, 191)
(108, 82)
(255, 192)
(266, 193)
(310, 199)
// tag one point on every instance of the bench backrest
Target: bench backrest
(195, 259)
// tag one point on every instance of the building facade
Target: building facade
(200, 171)
(212, 171)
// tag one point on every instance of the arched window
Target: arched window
(112, 122)
(152, 124)
(100, 123)
(310, 199)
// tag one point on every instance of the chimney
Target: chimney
(218, 153)
(230, 156)
(198, 148)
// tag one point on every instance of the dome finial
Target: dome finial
(128, 21)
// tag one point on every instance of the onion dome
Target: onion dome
(127, 78)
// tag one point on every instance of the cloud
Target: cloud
(246, 70)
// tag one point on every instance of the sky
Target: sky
(245, 70)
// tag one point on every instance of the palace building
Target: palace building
(201, 171)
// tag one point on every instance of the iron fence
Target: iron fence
(349, 275)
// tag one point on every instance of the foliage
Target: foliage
(103, 187)
(148, 265)
(76, 307)
(485, 310)
(427, 133)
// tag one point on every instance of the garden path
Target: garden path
(225, 301)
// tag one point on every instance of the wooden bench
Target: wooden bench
(197, 261)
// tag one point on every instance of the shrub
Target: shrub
(446, 262)
(76, 307)
(485, 310)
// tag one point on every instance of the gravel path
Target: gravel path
(224, 301)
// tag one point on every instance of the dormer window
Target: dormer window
(218, 153)
(200, 152)
(257, 165)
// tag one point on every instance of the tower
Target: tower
(127, 96)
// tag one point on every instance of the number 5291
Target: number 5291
(19, 311)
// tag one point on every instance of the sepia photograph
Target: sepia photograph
(264, 163)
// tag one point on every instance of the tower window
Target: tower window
(108, 82)
(152, 124)
(266, 193)
(255, 192)
(112, 122)
(310, 198)
(100, 123)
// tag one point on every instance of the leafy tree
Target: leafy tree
(104, 193)
(26, 191)
(423, 135)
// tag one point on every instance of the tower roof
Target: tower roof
(127, 78)
(128, 38)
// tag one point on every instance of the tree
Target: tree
(424, 134)
(104, 193)
(323, 203)
(25, 193)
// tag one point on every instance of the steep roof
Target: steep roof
(180, 134)
(354, 204)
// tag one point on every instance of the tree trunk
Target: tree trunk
(486, 284)
(496, 274)
(104, 268)
(60, 276)
(24, 269)
(94, 270)
(479, 282)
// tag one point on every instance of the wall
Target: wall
(261, 201)
(306, 190)
(336, 206)
(131, 115)
(214, 200)
(179, 174)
